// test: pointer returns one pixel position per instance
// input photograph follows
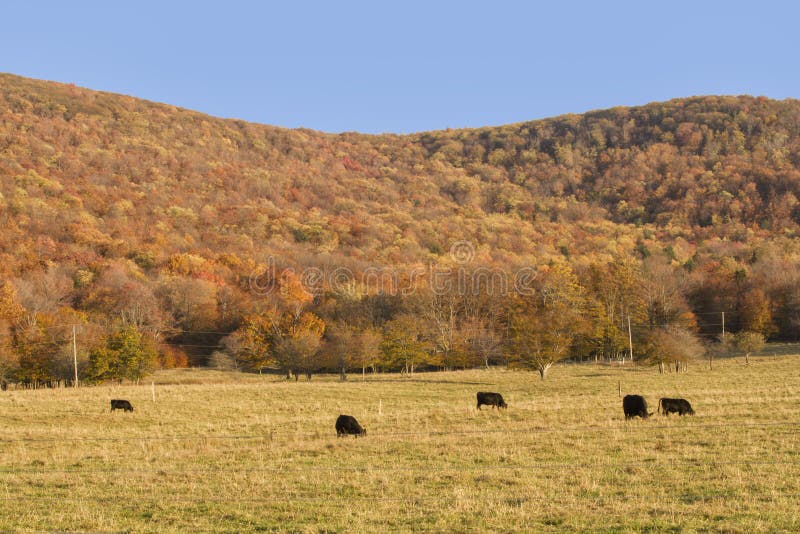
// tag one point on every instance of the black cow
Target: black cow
(491, 399)
(678, 406)
(347, 424)
(121, 404)
(635, 406)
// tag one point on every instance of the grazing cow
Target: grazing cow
(121, 404)
(491, 399)
(347, 424)
(635, 406)
(678, 406)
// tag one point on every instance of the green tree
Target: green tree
(127, 354)
(406, 343)
(42, 343)
(36, 348)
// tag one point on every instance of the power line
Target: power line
(67, 339)
(665, 325)
(100, 326)
(173, 344)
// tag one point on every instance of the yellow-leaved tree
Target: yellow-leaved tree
(406, 343)
(543, 326)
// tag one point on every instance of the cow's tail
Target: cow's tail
(659, 406)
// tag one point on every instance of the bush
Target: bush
(222, 361)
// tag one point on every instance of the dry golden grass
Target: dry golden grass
(232, 452)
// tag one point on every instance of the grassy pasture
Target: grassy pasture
(233, 452)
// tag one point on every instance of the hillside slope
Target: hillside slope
(104, 176)
(105, 197)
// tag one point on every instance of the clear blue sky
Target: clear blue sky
(404, 66)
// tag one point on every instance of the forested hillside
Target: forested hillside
(148, 226)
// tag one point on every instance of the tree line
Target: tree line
(650, 309)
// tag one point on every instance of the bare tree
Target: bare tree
(44, 291)
(672, 345)
(749, 342)
(339, 347)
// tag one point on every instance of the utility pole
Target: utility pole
(75, 355)
(630, 337)
(723, 327)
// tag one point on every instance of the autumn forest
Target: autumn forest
(138, 236)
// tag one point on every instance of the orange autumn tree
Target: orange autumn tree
(11, 312)
(286, 335)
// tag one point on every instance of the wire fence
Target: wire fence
(324, 498)
(664, 464)
(271, 436)
(336, 500)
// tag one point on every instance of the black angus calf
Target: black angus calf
(678, 406)
(121, 404)
(347, 424)
(635, 406)
(491, 399)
